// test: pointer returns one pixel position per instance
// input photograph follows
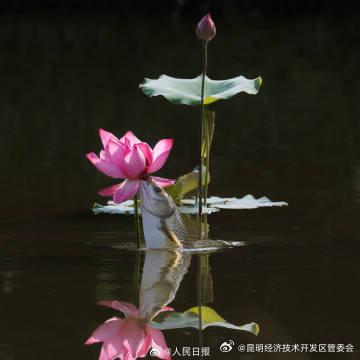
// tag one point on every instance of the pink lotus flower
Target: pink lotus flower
(128, 338)
(130, 159)
(206, 29)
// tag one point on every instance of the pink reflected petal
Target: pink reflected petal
(158, 342)
(134, 163)
(160, 154)
(126, 191)
(162, 181)
(109, 191)
(135, 337)
(131, 138)
(166, 308)
(129, 338)
(103, 355)
(128, 309)
(147, 152)
(105, 136)
(106, 167)
(114, 347)
(105, 331)
(145, 346)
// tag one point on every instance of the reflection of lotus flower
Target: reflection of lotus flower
(206, 29)
(188, 91)
(130, 337)
(130, 159)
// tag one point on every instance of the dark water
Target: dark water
(63, 77)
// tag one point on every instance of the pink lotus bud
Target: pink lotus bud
(206, 29)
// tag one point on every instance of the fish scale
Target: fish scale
(177, 226)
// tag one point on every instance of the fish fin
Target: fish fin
(169, 234)
(175, 260)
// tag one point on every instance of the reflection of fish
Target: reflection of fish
(162, 222)
(162, 274)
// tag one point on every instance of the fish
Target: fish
(162, 223)
(162, 275)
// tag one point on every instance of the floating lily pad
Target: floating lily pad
(190, 318)
(246, 202)
(195, 209)
(188, 91)
(127, 208)
(189, 206)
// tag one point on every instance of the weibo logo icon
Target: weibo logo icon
(226, 346)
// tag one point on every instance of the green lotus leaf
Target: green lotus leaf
(188, 91)
(190, 318)
(185, 184)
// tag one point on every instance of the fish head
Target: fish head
(155, 199)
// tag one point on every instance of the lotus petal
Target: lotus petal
(109, 191)
(126, 191)
(134, 163)
(130, 138)
(128, 309)
(105, 166)
(116, 151)
(160, 154)
(103, 354)
(158, 343)
(134, 337)
(105, 331)
(147, 152)
(162, 181)
(105, 136)
(188, 91)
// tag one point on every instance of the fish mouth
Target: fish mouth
(149, 180)
(145, 195)
(157, 207)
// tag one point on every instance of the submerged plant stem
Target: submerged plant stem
(137, 221)
(199, 297)
(136, 279)
(137, 258)
(200, 192)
